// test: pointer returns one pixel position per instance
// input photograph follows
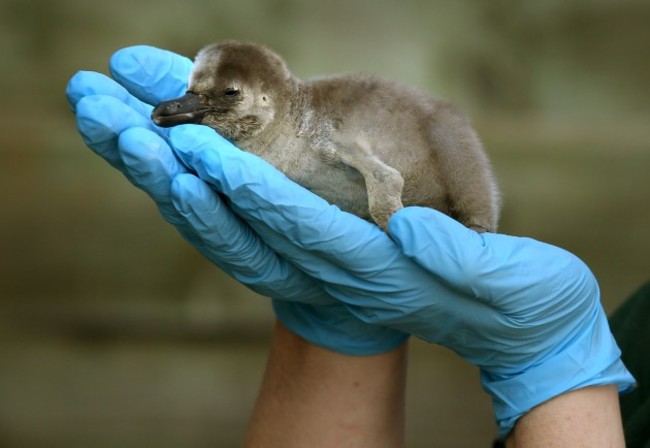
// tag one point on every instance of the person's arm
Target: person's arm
(314, 397)
(588, 417)
(311, 396)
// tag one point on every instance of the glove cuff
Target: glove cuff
(335, 328)
(592, 359)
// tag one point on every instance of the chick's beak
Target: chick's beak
(186, 109)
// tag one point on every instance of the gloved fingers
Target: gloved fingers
(228, 242)
(384, 297)
(310, 263)
(100, 121)
(263, 195)
(150, 164)
(87, 83)
(151, 74)
(203, 219)
(492, 267)
(443, 246)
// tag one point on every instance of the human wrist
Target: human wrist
(312, 396)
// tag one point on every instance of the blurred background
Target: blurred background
(113, 332)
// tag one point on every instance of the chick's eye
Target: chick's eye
(231, 92)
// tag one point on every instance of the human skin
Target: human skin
(311, 396)
(588, 417)
(314, 397)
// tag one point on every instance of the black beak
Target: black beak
(183, 110)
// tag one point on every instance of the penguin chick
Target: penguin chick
(366, 144)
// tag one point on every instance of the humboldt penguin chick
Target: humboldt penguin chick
(368, 145)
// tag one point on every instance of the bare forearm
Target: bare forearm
(314, 397)
(588, 417)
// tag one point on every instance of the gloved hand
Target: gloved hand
(114, 120)
(528, 314)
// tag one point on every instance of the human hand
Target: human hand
(526, 313)
(113, 118)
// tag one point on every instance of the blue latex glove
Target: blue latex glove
(114, 121)
(528, 314)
